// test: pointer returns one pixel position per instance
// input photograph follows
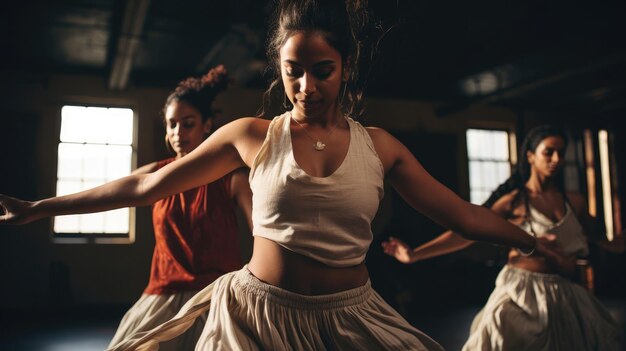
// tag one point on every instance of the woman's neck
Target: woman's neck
(538, 184)
(327, 119)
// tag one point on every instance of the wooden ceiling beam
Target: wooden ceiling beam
(129, 38)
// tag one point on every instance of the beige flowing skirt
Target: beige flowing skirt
(152, 310)
(541, 312)
(247, 314)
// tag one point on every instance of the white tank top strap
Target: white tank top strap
(273, 136)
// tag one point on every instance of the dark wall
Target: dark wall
(428, 287)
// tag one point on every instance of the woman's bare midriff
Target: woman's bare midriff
(532, 263)
(275, 265)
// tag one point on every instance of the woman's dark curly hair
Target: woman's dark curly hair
(346, 27)
(200, 92)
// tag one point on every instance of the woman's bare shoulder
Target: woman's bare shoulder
(389, 149)
(249, 124)
(246, 134)
(246, 129)
(377, 132)
(504, 206)
(382, 137)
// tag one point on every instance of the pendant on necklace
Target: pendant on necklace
(319, 146)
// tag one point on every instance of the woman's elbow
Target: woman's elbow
(146, 190)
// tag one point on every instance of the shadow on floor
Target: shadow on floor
(85, 329)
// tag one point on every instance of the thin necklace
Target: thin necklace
(318, 145)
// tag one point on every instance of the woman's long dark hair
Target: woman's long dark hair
(521, 172)
(345, 25)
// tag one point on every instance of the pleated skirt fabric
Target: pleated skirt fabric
(152, 310)
(247, 314)
(541, 312)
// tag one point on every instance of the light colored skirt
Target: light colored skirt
(152, 310)
(247, 314)
(536, 311)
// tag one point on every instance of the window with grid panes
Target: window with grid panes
(96, 146)
(489, 161)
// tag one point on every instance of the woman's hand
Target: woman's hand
(15, 211)
(547, 246)
(551, 251)
(399, 249)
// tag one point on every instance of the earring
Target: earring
(286, 105)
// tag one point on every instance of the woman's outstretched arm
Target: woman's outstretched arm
(220, 154)
(430, 197)
(446, 243)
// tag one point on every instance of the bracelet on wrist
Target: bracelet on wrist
(526, 254)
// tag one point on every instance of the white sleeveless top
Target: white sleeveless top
(568, 231)
(327, 219)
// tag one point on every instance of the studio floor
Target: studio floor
(91, 328)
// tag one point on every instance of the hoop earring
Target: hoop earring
(286, 105)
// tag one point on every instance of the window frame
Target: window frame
(511, 143)
(89, 237)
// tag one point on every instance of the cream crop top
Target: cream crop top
(568, 231)
(325, 218)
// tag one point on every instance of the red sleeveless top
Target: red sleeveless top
(196, 238)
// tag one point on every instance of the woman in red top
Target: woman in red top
(195, 231)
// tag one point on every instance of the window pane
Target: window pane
(101, 125)
(67, 224)
(94, 162)
(487, 137)
(96, 147)
(500, 144)
(118, 161)
(92, 223)
(489, 176)
(479, 197)
(68, 186)
(473, 144)
(475, 175)
(504, 172)
(489, 164)
(116, 221)
(120, 127)
(487, 144)
(70, 161)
